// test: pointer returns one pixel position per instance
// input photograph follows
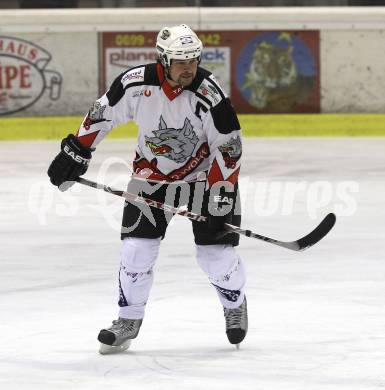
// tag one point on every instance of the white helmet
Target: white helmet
(178, 43)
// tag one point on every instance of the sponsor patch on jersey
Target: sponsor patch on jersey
(210, 92)
(133, 76)
(143, 92)
(218, 86)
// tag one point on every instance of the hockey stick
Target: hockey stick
(298, 245)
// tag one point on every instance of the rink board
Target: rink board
(252, 125)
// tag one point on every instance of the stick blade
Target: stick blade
(317, 234)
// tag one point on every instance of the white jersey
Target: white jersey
(182, 131)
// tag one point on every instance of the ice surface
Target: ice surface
(317, 318)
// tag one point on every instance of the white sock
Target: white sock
(138, 256)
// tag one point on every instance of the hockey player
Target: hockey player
(187, 126)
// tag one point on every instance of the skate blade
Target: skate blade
(110, 349)
(238, 346)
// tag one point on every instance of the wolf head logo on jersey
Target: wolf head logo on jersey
(175, 144)
(231, 152)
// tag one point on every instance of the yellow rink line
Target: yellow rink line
(281, 125)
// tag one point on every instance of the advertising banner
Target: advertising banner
(47, 74)
(262, 71)
(24, 76)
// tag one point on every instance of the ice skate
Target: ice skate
(236, 323)
(117, 338)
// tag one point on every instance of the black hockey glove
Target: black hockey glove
(70, 163)
(220, 212)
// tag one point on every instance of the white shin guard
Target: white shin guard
(225, 270)
(138, 256)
